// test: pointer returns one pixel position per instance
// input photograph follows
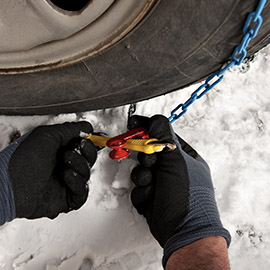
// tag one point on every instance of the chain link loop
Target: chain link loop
(250, 30)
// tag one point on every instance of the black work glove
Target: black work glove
(174, 190)
(48, 170)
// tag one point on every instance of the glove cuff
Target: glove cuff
(179, 240)
(202, 221)
(7, 204)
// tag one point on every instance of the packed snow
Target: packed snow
(229, 128)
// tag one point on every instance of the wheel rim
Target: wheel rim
(41, 34)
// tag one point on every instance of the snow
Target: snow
(229, 128)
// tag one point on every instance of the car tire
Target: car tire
(176, 44)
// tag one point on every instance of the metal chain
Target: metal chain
(245, 66)
(250, 30)
(132, 109)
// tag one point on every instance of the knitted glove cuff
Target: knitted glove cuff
(7, 204)
(202, 221)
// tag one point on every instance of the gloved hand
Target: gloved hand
(46, 171)
(178, 202)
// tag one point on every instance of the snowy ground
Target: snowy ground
(229, 128)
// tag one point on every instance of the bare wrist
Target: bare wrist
(208, 253)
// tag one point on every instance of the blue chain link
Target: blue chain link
(250, 30)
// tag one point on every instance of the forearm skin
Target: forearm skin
(208, 253)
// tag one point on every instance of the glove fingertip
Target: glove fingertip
(160, 128)
(74, 180)
(147, 160)
(140, 196)
(65, 133)
(141, 176)
(77, 162)
(160, 118)
(88, 151)
(85, 126)
(136, 121)
(77, 188)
